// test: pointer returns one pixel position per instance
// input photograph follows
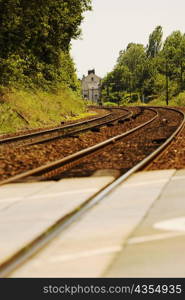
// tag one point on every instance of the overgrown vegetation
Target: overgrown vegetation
(110, 104)
(23, 110)
(35, 39)
(147, 73)
(178, 100)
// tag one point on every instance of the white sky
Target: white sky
(115, 23)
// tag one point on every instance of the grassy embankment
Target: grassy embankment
(21, 110)
(178, 100)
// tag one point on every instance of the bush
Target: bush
(180, 99)
(109, 104)
(175, 101)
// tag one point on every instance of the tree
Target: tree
(129, 72)
(155, 42)
(153, 70)
(35, 39)
(173, 59)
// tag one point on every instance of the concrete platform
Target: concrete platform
(156, 248)
(29, 209)
(136, 231)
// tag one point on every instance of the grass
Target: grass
(110, 104)
(178, 100)
(21, 109)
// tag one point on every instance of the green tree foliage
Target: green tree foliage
(35, 41)
(173, 55)
(129, 71)
(146, 70)
(155, 42)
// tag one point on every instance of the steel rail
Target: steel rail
(73, 157)
(58, 227)
(34, 134)
(166, 146)
(49, 139)
(58, 129)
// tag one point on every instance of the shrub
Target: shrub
(109, 104)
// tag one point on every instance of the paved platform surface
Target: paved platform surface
(156, 248)
(29, 209)
(136, 231)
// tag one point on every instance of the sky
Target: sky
(114, 23)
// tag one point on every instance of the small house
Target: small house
(91, 87)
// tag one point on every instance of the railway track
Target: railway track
(67, 130)
(71, 161)
(14, 160)
(50, 169)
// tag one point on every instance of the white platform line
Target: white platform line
(85, 254)
(175, 224)
(154, 237)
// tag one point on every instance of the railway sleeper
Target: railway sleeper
(135, 116)
(72, 136)
(110, 124)
(95, 129)
(159, 141)
(121, 121)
